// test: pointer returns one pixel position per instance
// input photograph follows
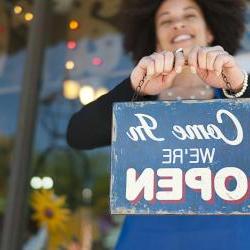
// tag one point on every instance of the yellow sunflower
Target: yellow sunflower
(49, 210)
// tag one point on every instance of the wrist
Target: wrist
(239, 91)
(238, 87)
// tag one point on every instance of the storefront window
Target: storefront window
(83, 59)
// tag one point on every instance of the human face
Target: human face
(181, 24)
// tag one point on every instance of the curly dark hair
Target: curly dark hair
(225, 18)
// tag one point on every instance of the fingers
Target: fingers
(221, 60)
(179, 62)
(193, 59)
(162, 67)
(205, 58)
(158, 59)
(151, 68)
(164, 63)
(169, 61)
(199, 58)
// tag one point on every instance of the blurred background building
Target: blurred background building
(83, 59)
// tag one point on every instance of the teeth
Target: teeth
(181, 38)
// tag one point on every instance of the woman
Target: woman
(157, 31)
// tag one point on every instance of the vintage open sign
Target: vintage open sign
(184, 157)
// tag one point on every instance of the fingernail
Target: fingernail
(193, 69)
(178, 70)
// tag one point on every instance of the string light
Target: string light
(18, 9)
(28, 16)
(71, 89)
(71, 44)
(100, 92)
(69, 65)
(73, 24)
(97, 61)
(87, 94)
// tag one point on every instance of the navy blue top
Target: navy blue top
(185, 233)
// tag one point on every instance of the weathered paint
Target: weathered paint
(140, 155)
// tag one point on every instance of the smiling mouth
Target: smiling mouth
(182, 38)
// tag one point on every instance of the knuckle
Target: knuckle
(169, 60)
(145, 59)
(211, 55)
(221, 56)
(202, 51)
(152, 57)
(194, 50)
(192, 57)
(159, 56)
(169, 54)
(151, 63)
(219, 47)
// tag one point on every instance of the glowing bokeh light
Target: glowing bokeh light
(28, 16)
(101, 91)
(36, 182)
(71, 89)
(97, 61)
(87, 193)
(48, 183)
(69, 65)
(73, 24)
(71, 44)
(18, 9)
(87, 95)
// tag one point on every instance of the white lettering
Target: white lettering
(220, 184)
(171, 185)
(167, 155)
(136, 133)
(207, 155)
(238, 127)
(211, 131)
(194, 155)
(144, 183)
(200, 179)
(171, 179)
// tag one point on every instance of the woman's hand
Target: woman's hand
(210, 62)
(159, 70)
